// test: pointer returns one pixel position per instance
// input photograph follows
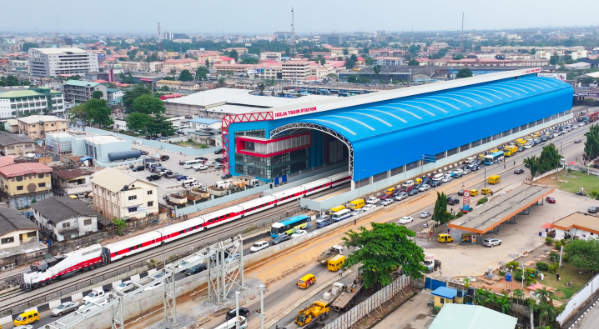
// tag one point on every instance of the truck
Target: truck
(329, 253)
(347, 297)
(310, 315)
(510, 150)
(593, 117)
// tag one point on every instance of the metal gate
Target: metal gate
(433, 284)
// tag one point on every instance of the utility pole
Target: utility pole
(292, 49)
(262, 314)
(462, 34)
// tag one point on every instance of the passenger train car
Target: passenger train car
(47, 271)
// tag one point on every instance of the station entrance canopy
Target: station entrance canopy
(500, 209)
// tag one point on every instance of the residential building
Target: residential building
(172, 85)
(235, 68)
(270, 71)
(50, 62)
(16, 229)
(21, 183)
(190, 86)
(77, 92)
(15, 144)
(16, 65)
(576, 226)
(439, 45)
(180, 64)
(239, 50)
(141, 66)
(271, 56)
(11, 125)
(120, 195)
(37, 126)
(24, 102)
(67, 182)
(4, 61)
(296, 70)
(211, 56)
(63, 218)
(114, 96)
(388, 61)
(386, 52)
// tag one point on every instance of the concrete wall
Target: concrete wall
(375, 188)
(579, 299)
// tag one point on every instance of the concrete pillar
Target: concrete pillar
(353, 185)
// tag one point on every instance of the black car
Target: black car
(164, 157)
(452, 201)
(138, 168)
(181, 162)
(154, 177)
(281, 238)
(324, 223)
(461, 192)
(436, 183)
(219, 160)
(219, 151)
(413, 192)
(196, 269)
(426, 180)
(519, 171)
(593, 209)
(474, 168)
(233, 313)
(225, 176)
(201, 158)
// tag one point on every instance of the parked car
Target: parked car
(233, 313)
(446, 179)
(593, 209)
(578, 140)
(424, 188)
(225, 176)
(138, 168)
(373, 200)
(457, 172)
(550, 199)
(154, 177)
(405, 220)
(368, 207)
(387, 201)
(196, 269)
(461, 192)
(385, 196)
(413, 192)
(408, 183)
(201, 158)
(436, 183)
(401, 196)
(219, 160)
(280, 239)
(260, 245)
(219, 151)
(519, 171)
(491, 242)
(326, 223)
(173, 175)
(65, 308)
(355, 213)
(474, 168)
(164, 157)
(181, 177)
(199, 167)
(425, 214)
(452, 201)
(125, 286)
(298, 233)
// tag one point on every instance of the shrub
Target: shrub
(459, 214)
(558, 245)
(554, 257)
(563, 241)
(553, 268)
(542, 266)
(482, 200)
(548, 241)
(565, 258)
(436, 310)
(501, 273)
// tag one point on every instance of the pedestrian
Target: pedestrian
(462, 185)
(448, 230)
(340, 273)
(514, 163)
(355, 221)
(557, 277)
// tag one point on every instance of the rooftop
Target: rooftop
(79, 83)
(20, 169)
(12, 220)
(61, 208)
(205, 121)
(7, 138)
(500, 208)
(59, 51)
(112, 179)
(445, 292)
(579, 221)
(7, 160)
(19, 93)
(40, 118)
(460, 316)
(72, 173)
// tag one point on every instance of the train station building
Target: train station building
(381, 138)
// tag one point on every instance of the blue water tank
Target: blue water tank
(508, 277)
(133, 154)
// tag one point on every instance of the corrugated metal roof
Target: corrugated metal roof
(370, 120)
(460, 316)
(12, 220)
(79, 83)
(20, 169)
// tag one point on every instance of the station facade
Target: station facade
(382, 137)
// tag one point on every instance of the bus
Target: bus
(493, 158)
(289, 225)
(341, 215)
(190, 163)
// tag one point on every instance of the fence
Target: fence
(366, 307)
(579, 299)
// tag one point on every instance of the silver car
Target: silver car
(65, 308)
(491, 242)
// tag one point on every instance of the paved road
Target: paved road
(591, 320)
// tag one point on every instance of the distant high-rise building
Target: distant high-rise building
(282, 35)
(332, 39)
(50, 62)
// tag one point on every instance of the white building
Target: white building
(296, 69)
(18, 65)
(576, 226)
(270, 56)
(64, 217)
(50, 62)
(118, 194)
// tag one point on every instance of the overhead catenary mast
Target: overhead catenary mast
(292, 49)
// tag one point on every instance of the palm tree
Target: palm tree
(547, 313)
(504, 303)
(545, 296)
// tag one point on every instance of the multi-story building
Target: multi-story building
(439, 45)
(296, 69)
(15, 144)
(120, 195)
(18, 65)
(239, 50)
(271, 56)
(141, 66)
(37, 126)
(77, 92)
(23, 102)
(49, 62)
(180, 64)
(21, 183)
(67, 182)
(63, 217)
(388, 61)
(386, 52)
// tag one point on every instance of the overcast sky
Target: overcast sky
(311, 16)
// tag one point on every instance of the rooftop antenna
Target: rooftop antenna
(462, 34)
(292, 49)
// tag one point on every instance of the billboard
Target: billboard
(466, 201)
(559, 76)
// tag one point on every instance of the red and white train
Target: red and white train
(49, 270)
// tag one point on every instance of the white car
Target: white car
(368, 207)
(446, 179)
(581, 124)
(408, 183)
(401, 196)
(298, 234)
(425, 214)
(357, 212)
(424, 188)
(373, 200)
(466, 171)
(387, 202)
(125, 286)
(527, 146)
(438, 177)
(491, 242)
(25, 326)
(64, 308)
(200, 167)
(154, 285)
(406, 219)
(259, 246)
(458, 171)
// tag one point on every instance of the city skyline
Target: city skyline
(140, 17)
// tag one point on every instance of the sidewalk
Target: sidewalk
(413, 314)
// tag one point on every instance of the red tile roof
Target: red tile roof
(20, 169)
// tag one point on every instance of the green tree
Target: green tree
(160, 125)
(386, 248)
(126, 78)
(207, 63)
(164, 88)
(234, 55)
(185, 76)
(413, 62)
(120, 226)
(332, 76)
(261, 87)
(532, 164)
(202, 73)
(148, 104)
(458, 57)
(249, 60)
(138, 121)
(11, 80)
(222, 82)
(377, 70)
(504, 304)
(98, 112)
(440, 214)
(29, 45)
(591, 145)
(97, 94)
(464, 73)
(345, 51)
(323, 61)
(554, 59)
(132, 94)
(584, 254)
(550, 158)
